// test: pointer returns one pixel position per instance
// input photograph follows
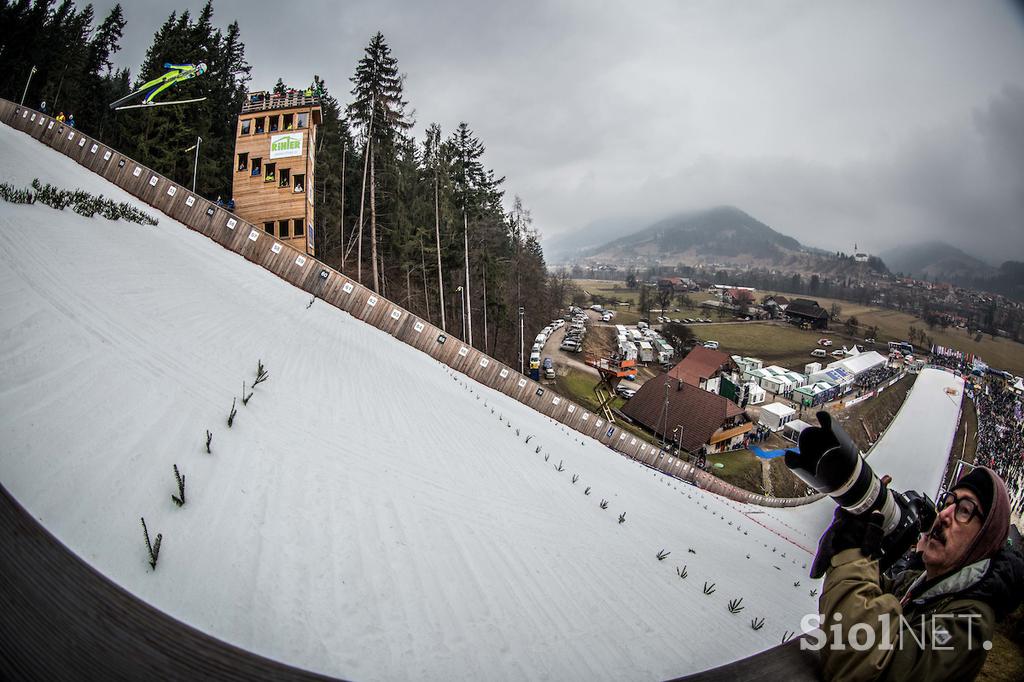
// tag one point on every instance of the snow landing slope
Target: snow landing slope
(371, 514)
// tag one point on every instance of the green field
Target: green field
(630, 314)
(894, 325)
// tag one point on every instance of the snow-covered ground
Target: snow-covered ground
(371, 514)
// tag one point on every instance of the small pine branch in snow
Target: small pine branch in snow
(681, 573)
(153, 549)
(209, 437)
(757, 624)
(604, 504)
(734, 605)
(814, 593)
(622, 517)
(517, 433)
(662, 555)
(786, 634)
(748, 556)
(14, 195)
(261, 374)
(691, 550)
(231, 417)
(529, 437)
(537, 451)
(181, 488)
(559, 467)
(587, 491)
(796, 584)
(546, 455)
(575, 477)
(310, 304)
(709, 589)
(245, 398)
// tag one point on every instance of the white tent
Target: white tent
(792, 430)
(776, 415)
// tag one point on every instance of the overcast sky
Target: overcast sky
(875, 122)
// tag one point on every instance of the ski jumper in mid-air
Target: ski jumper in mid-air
(177, 74)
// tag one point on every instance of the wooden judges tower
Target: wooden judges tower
(275, 151)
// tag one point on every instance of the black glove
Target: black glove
(846, 532)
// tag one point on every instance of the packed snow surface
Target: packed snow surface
(371, 514)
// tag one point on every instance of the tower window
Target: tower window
(289, 121)
(246, 126)
(300, 183)
(257, 166)
(271, 167)
(285, 178)
(303, 117)
(282, 226)
(269, 227)
(259, 125)
(243, 161)
(273, 122)
(297, 225)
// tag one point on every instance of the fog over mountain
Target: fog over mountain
(877, 123)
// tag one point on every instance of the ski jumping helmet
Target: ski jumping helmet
(201, 68)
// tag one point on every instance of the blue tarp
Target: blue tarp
(771, 454)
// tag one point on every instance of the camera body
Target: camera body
(829, 462)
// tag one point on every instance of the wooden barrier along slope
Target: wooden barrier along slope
(316, 278)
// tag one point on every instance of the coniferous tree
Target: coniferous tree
(378, 112)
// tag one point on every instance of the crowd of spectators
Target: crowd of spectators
(955, 363)
(1001, 434)
(875, 376)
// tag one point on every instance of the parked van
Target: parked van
(713, 345)
(819, 353)
(534, 360)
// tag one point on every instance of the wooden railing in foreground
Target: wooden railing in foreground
(64, 620)
(334, 288)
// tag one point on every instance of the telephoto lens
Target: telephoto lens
(829, 462)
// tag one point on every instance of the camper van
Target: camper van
(819, 353)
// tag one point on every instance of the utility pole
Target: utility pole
(521, 311)
(344, 149)
(465, 238)
(463, 292)
(195, 168)
(437, 237)
(25, 91)
(485, 306)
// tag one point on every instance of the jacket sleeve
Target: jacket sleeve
(948, 647)
(853, 595)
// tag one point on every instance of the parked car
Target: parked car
(819, 353)
(626, 393)
(570, 345)
(824, 342)
(713, 345)
(838, 354)
(869, 340)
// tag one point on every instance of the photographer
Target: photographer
(934, 620)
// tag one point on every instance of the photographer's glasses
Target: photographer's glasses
(966, 508)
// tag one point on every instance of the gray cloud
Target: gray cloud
(881, 123)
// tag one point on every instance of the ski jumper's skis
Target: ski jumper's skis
(158, 104)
